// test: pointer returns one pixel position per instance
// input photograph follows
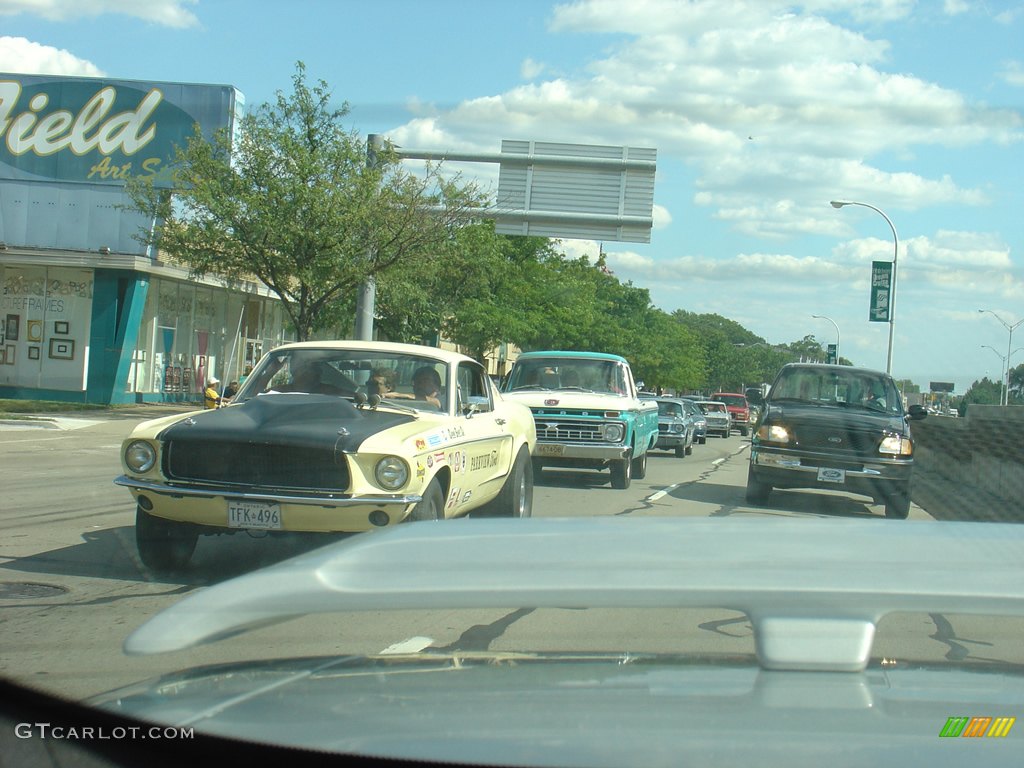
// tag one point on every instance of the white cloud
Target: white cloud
(773, 111)
(1013, 73)
(168, 13)
(20, 55)
(531, 69)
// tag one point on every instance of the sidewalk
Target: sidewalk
(79, 419)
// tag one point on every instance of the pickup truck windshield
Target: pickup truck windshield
(568, 373)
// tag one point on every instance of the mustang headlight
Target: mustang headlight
(140, 456)
(678, 428)
(896, 445)
(391, 473)
(774, 433)
(614, 433)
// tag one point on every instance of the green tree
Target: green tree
(984, 392)
(1017, 384)
(808, 349)
(476, 293)
(295, 204)
(907, 387)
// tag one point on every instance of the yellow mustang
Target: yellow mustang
(341, 436)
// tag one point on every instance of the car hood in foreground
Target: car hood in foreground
(589, 710)
(288, 419)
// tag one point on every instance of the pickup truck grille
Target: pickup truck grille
(839, 441)
(560, 431)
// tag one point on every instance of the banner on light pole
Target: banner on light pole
(881, 290)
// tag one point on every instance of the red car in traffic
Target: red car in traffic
(738, 408)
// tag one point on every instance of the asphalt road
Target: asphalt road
(72, 587)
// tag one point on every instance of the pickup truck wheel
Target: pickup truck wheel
(431, 506)
(639, 469)
(897, 504)
(164, 545)
(757, 492)
(516, 496)
(622, 473)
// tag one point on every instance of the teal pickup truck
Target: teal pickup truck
(587, 412)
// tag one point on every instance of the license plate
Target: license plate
(549, 450)
(829, 475)
(260, 515)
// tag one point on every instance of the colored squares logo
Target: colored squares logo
(976, 727)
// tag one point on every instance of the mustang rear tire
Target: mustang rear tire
(516, 496)
(163, 545)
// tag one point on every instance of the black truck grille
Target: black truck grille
(840, 441)
(255, 465)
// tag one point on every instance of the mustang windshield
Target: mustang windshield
(411, 380)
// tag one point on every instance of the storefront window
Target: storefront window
(45, 318)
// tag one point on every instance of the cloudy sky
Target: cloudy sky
(761, 112)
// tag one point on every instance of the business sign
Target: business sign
(103, 131)
(940, 386)
(881, 290)
(830, 355)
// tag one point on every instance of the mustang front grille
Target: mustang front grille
(255, 466)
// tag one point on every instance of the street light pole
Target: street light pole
(1002, 371)
(824, 317)
(895, 256)
(1010, 327)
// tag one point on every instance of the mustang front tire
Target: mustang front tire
(163, 545)
(431, 506)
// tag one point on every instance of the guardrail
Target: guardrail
(972, 468)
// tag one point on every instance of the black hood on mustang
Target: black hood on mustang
(287, 419)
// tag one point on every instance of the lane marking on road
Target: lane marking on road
(412, 645)
(666, 491)
(663, 492)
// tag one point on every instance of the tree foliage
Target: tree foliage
(295, 203)
(1017, 385)
(983, 392)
